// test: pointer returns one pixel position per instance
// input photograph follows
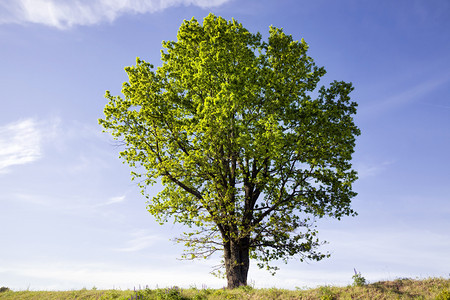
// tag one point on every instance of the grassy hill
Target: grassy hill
(432, 288)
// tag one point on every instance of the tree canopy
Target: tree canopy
(249, 150)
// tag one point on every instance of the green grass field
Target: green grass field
(432, 288)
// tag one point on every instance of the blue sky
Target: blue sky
(70, 217)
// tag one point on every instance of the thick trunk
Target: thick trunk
(237, 262)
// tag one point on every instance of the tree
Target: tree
(249, 152)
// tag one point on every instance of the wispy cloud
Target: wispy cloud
(112, 200)
(117, 199)
(405, 97)
(78, 205)
(64, 14)
(20, 143)
(140, 239)
(371, 169)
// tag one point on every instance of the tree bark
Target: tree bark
(237, 262)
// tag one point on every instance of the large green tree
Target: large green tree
(248, 150)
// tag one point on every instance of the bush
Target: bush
(326, 293)
(358, 279)
(4, 289)
(173, 293)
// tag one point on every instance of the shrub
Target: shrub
(173, 293)
(358, 279)
(326, 293)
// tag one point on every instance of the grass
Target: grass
(432, 288)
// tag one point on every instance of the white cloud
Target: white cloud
(117, 199)
(112, 200)
(20, 143)
(68, 13)
(71, 205)
(370, 169)
(405, 97)
(140, 239)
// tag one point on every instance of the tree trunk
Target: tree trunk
(237, 262)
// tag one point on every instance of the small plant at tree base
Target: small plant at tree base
(358, 279)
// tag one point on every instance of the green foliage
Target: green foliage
(248, 148)
(4, 289)
(326, 293)
(245, 288)
(358, 279)
(172, 293)
(111, 295)
(443, 295)
(200, 297)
